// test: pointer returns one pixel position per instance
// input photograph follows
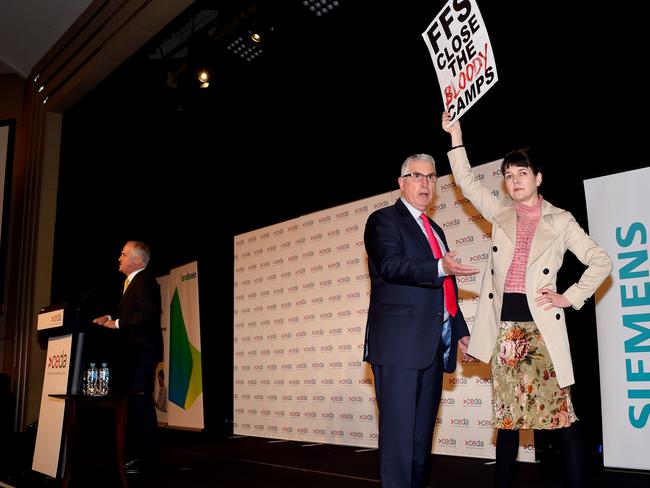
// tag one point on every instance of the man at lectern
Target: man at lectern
(137, 320)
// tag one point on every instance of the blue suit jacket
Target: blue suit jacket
(406, 300)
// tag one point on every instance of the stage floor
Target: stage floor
(195, 460)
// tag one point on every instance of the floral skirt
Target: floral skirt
(526, 391)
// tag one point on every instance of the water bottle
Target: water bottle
(92, 380)
(103, 379)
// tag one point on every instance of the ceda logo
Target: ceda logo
(57, 361)
(474, 443)
(447, 441)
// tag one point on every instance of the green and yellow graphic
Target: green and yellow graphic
(185, 383)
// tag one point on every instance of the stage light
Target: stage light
(320, 7)
(246, 47)
(204, 76)
(251, 37)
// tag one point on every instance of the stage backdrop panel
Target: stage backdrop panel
(619, 221)
(185, 405)
(161, 390)
(300, 307)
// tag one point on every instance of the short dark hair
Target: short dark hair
(519, 158)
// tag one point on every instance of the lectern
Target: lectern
(58, 324)
(72, 342)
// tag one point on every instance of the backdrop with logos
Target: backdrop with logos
(301, 301)
(619, 221)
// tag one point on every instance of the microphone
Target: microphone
(78, 303)
(82, 296)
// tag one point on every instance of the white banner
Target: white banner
(301, 303)
(462, 54)
(161, 390)
(619, 221)
(185, 405)
(50, 418)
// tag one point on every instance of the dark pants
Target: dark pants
(408, 402)
(142, 433)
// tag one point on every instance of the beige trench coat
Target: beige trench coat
(556, 232)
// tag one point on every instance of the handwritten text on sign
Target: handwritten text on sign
(462, 55)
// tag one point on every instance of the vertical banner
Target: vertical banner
(462, 55)
(300, 308)
(619, 221)
(185, 405)
(50, 418)
(161, 390)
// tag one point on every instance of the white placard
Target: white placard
(462, 55)
(49, 320)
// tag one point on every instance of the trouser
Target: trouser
(408, 402)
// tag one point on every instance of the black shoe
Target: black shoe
(132, 466)
(142, 467)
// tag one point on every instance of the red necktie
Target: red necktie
(448, 287)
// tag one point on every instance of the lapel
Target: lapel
(506, 218)
(545, 234)
(413, 227)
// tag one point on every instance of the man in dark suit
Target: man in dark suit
(414, 323)
(138, 322)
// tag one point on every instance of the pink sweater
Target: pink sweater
(527, 219)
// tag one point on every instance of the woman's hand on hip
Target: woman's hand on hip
(549, 298)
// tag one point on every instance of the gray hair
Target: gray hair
(406, 165)
(142, 250)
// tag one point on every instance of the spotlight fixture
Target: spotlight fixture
(204, 76)
(247, 47)
(320, 7)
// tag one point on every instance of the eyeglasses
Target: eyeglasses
(419, 176)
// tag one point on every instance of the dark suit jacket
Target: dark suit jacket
(139, 313)
(406, 300)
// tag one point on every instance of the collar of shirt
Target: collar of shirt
(416, 215)
(132, 275)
